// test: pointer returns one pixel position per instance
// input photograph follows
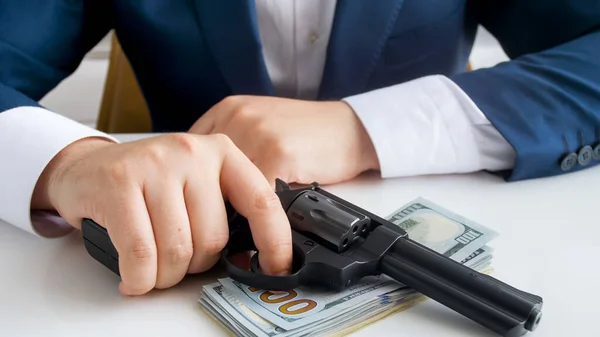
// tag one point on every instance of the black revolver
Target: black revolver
(336, 244)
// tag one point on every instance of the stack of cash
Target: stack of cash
(246, 311)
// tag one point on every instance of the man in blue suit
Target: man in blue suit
(302, 90)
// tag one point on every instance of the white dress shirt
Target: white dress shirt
(425, 126)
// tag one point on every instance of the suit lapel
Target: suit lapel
(358, 35)
(231, 33)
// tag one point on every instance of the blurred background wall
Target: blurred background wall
(78, 97)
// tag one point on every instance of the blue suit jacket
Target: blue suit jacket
(188, 55)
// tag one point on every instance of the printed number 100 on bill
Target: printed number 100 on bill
(286, 303)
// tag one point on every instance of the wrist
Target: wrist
(41, 199)
(367, 150)
(363, 150)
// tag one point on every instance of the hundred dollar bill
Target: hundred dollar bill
(440, 229)
(303, 305)
(231, 313)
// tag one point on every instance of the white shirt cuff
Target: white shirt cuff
(29, 138)
(430, 126)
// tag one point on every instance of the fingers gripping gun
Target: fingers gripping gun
(336, 244)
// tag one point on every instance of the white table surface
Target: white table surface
(549, 231)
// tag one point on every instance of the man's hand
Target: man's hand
(297, 141)
(162, 202)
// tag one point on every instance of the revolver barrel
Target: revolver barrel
(482, 298)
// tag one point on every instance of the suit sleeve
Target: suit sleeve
(545, 101)
(41, 43)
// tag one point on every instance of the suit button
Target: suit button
(585, 155)
(597, 152)
(568, 162)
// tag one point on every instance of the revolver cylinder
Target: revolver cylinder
(329, 221)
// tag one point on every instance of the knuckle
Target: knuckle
(119, 171)
(279, 152)
(142, 251)
(279, 149)
(266, 132)
(213, 246)
(265, 200)
(186, 142)
(223, 141)
(181, 253)
(243, 114)
(265, 129)
(155, 154)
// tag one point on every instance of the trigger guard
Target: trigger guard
(254, 278)
(240, 240)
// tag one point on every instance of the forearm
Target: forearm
(545, 104)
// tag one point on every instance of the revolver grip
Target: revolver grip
(484, 299)
(99, 246)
